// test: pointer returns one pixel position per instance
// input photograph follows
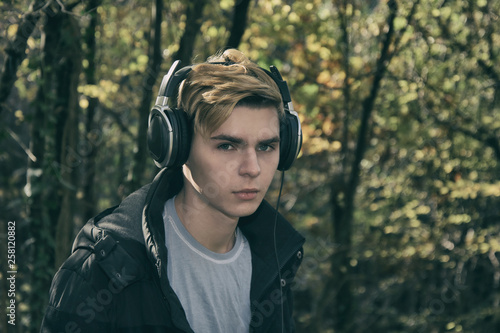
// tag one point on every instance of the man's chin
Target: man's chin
(249, 209)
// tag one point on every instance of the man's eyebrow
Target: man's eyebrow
(270, 140)
(230, 138)
(236, 140)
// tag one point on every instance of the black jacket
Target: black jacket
(116, 280)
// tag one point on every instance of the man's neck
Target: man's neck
(212, 229)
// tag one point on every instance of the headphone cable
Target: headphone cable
(276, 250)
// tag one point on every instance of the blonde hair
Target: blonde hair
(213, 89)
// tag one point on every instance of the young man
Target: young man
(198, 249)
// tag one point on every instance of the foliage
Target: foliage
(422, 254)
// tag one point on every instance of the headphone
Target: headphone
(169, 131)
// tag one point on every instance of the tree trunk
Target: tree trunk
(38, 183)
(68, 72)
(92, 135)
(239, 23)
(194, 14)
(51, 183)
(16, 51)
(141, 157)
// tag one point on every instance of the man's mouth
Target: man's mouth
(246, 194)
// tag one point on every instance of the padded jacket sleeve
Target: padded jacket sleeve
(79, 299)
(91, 287)
(75, 306)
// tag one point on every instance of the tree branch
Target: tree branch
(368, 103)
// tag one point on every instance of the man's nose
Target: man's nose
(249, 163)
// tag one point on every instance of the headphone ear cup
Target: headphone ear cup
(169, 137)
(159, 136)
(290, 141)
(182, 139)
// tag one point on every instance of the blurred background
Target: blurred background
(397, 187)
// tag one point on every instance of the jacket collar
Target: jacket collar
(167, 183)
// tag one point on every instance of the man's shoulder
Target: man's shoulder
(110, 246)
(110, 258)
(107, 269)
(123, 220)
(96, 280)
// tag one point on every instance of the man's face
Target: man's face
(231, 169)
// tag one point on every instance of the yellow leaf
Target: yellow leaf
(12, 30)
(356, 62)
(423, 210)
(142, 59)
(459, 218)
(327, 127)
(84, 103)
(19, 115)
(400, 23)
(323, 77)
(450, 326)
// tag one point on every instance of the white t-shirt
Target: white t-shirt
(214, 288)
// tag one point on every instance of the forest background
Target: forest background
(396, 187)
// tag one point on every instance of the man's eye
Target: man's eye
(266, 147)
(225, 146)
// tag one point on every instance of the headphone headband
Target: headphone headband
(170, 82)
